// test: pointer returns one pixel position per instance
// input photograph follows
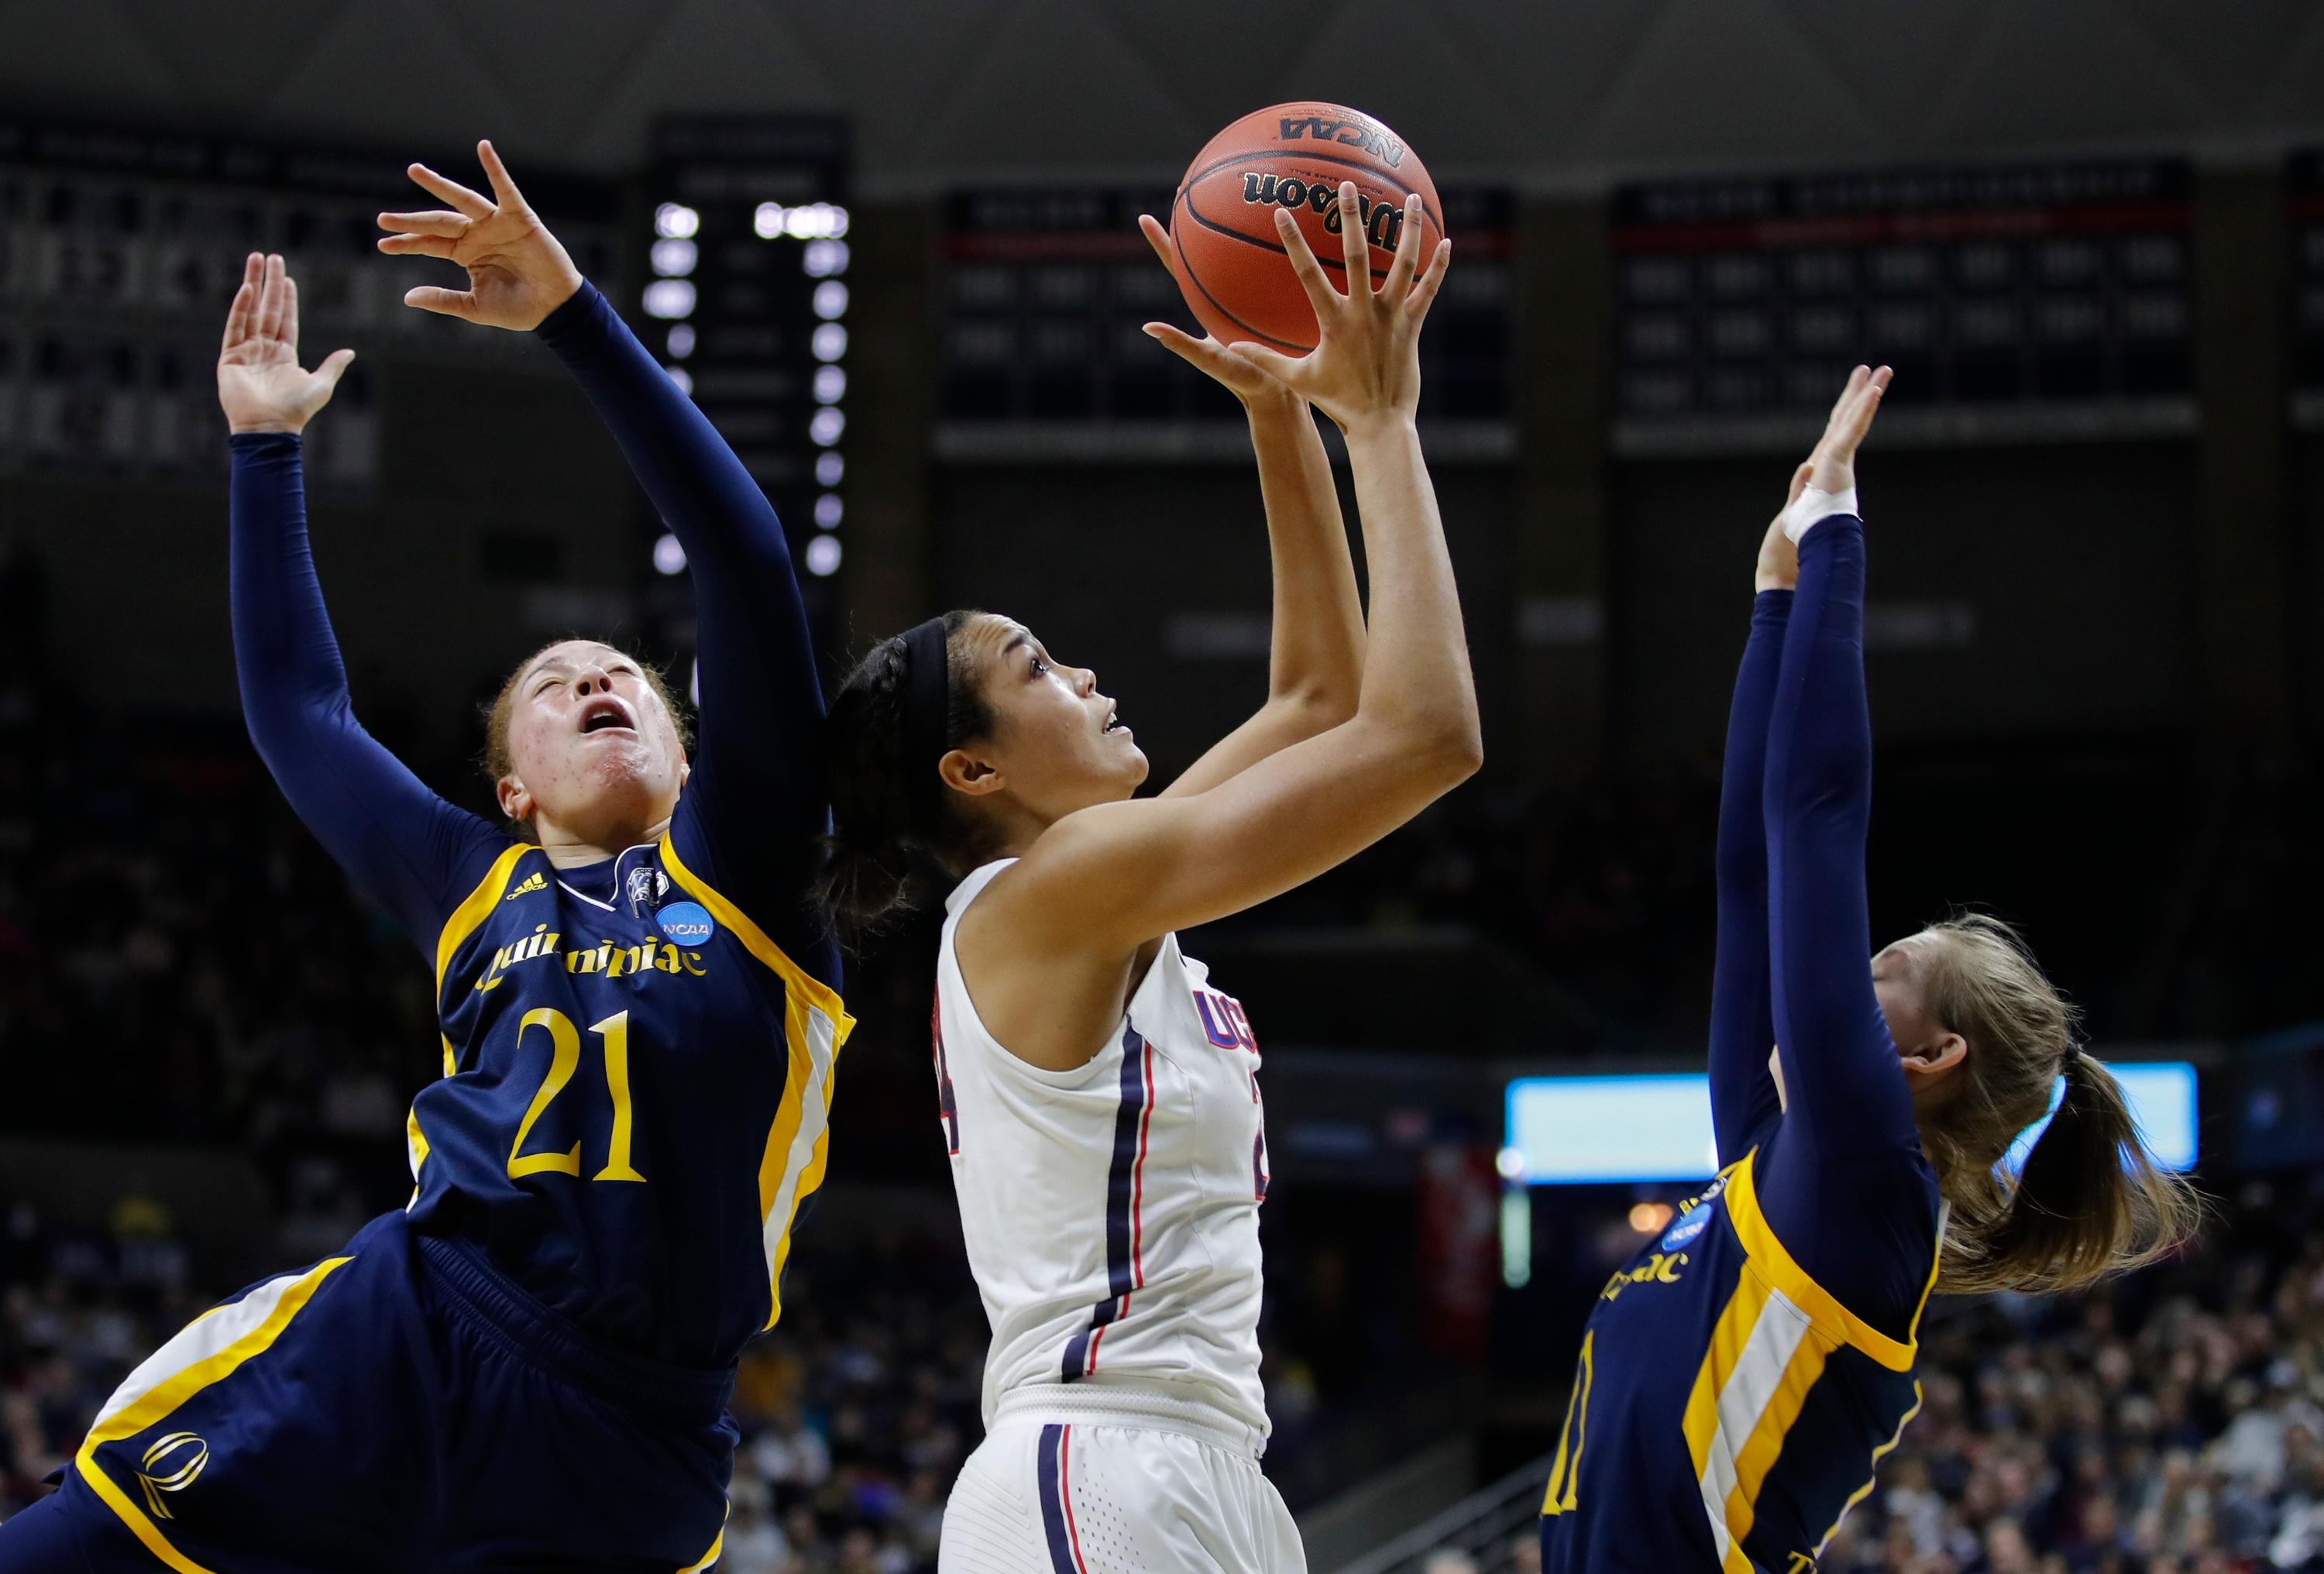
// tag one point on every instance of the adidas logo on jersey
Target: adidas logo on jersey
(534, 881)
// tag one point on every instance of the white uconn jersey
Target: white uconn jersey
(1111, 1211)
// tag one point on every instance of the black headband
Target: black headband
(928, 709)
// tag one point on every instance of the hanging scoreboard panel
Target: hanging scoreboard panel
(2305, 220)
(746, 302)
(1046, 292)
(120, 250)
(2015, 303)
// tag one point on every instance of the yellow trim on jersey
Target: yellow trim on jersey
(471, 913)
(754, 939)
(815, 1028)
(717, 1545)
(1873, 1474)
(1769, 1257)
(1565, 1473)
(174, 1391)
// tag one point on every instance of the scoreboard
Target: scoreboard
(746, 300)
(120, 250)
(1046, 292)
(2015, 303)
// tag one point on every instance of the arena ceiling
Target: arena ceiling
(1552, 93)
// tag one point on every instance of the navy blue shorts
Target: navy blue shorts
(399, 1407)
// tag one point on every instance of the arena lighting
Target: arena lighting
(830, 342)
(830, 299)
(823, 259)
(668, 298)
(1647, 1218)
(826, 426)
(1598, 1130)
(823, 555)
(830, 385)
(681, 341)
(668, 556)
(812, 221)
(682, 377)
(674, 259)
(830, 469)
(675, 221)
(1516, 1238)
(828, 512)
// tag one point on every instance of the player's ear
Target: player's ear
(1925, 1063)
(516, 803)
(964, 773)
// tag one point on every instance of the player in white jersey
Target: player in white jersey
(1100, 1100)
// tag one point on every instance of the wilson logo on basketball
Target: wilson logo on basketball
(1383, 221)
(170, 1465)
(1354, 134)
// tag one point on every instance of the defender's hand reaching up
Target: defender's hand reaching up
(1366, 363)
(260, 385)
(518, 274)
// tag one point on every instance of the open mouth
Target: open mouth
(607, 713)
(1114, 724)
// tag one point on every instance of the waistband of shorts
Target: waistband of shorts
(486, 1299)
(1144, 1405)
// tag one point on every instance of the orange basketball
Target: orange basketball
(1224, 245)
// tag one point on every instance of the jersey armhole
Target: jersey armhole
(1769, 1257)
(804, 986)
(472, 910)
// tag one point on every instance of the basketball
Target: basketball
(1224, 248)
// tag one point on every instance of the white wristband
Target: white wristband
(1813, 505)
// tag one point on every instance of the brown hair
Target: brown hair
(498, 762)
(2090, 1199)
(879, 816)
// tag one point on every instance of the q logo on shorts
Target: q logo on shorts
(687, 923)
(170, 1465)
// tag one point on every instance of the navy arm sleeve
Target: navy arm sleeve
(1742, 1010)
(416, 854)
(752, 812)
(1847, 1187)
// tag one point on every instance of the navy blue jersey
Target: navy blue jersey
(1739, 1378)
(635, 1098)
(1727, 1410)
(637, 1054)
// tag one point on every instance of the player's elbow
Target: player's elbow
(1452, 751)
(1315, 706)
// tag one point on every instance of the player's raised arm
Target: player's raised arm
(1116, 875)
(755, 796)
(1840, 1084)
(398, 840)
(1315, 651)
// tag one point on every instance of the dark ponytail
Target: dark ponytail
(882, 810)
(2090, 1199)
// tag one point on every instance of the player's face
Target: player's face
(594, 746)
(1057, 743)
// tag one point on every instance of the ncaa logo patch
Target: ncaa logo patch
(170, 1465)
(687, 923)
(1691, 1223)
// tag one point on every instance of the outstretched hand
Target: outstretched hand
(1243, 377)
(1366, 363)
(261, 384)
(518, 274)
(1832, 467)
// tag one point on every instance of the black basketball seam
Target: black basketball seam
(1379, 275)
(1186, 264)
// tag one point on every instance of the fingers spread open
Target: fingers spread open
(503, 183)
(451, 191)
(289, 328)
(1157, 237)
(460, 303)
(418, 246)
(1319, 293)
(1406, 261)
(335, 366)
(435, 222)
(1423, 294)
(1354, 249)
(1274, 362)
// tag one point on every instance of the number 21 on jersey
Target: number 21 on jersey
(563, 1057)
